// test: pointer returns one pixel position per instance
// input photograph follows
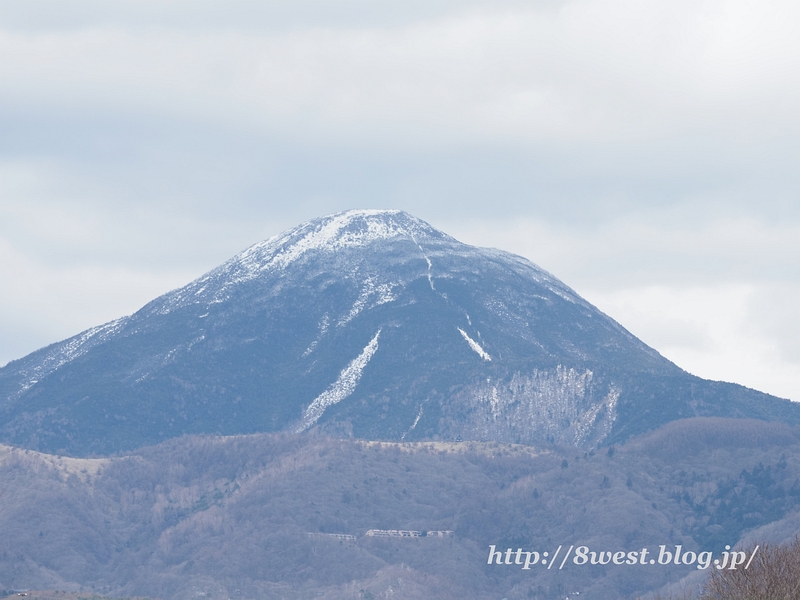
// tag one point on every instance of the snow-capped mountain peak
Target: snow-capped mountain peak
(328, 235)
(365, 323)
(349, 229)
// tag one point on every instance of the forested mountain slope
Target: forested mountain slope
(252, 516)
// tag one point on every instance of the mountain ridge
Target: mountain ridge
(366, 323)
(263, 516)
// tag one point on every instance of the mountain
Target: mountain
(280, 516)
(368, 324)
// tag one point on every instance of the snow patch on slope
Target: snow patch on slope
(476, 347)
(65, 352)
(344, 386)
(597, 421)
(380, 293)
(537, 407)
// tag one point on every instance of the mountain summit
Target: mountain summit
(366, 323)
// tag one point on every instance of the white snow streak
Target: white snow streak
(428, 260)
(342, 387)
(369, 290)
(323, 328)
(413, 425)
(67, 351)
(475, 345)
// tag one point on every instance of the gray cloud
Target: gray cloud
(622, 145)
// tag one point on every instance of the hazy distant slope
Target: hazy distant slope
(230, 517)
(365, 323)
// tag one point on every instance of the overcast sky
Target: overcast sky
(646, 153)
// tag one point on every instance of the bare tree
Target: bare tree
(774, 574)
